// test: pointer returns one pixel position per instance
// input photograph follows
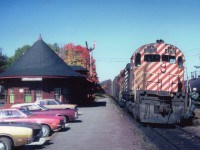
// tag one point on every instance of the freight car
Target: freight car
(195, 80)
(151, 86)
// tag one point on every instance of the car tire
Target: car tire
(45, 130)
(6, 143)
(66, 119)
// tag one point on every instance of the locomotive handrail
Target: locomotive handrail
(188, 97)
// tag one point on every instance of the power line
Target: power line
(112, 60)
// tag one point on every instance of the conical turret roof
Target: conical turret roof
(40, 60)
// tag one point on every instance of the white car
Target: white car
(56, 104)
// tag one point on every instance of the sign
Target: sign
(150, 49)
(31, 79)
(170, 50)
(21, 90)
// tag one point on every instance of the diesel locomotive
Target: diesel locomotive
(151, 87)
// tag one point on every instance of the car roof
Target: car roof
(8, 109)
(22, 104)
(45, 99)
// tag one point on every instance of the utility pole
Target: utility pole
(90, 52)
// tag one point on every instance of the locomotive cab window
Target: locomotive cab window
(138, 59)
(152, 58)
(168, 58)
(180, 62)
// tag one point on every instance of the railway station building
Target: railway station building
(40, 74)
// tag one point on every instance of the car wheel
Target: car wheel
(45, 130)
(6, 143)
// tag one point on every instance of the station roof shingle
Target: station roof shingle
(40, 60)
(79, 68)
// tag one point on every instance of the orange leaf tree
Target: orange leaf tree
(79, 56)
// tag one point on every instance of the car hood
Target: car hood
(22, 124)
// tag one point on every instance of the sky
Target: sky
(119, 27)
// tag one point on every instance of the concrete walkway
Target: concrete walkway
(101, 127)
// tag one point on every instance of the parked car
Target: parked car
(55, 104)
(14, 134)
(68, 114)
(49, 123)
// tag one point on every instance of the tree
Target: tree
(107, 86)
(18, 53)
(3, 59)
(76, 55)
(54, 47)
(79, 56)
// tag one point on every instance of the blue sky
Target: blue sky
(119, 27)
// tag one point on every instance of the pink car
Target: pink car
(68, 114)
(49, 123)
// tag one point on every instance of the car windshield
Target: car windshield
(168, 58)
(25, 111)
(33, 107)
(9, 113)
(152, 58)
(58, 101)
(43, 107)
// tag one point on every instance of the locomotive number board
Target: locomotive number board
(150, 49)
(170, 50)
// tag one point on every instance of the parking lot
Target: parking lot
(101, 127)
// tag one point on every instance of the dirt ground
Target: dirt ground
(195, 128)
(196, 120)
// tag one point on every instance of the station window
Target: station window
(152, 58)
(11, 95)
(57, 93)
(51, 102)
(168, 58)
(38, 94)
(65, 94)
(138, 59)
(27, 96)
(180, 62)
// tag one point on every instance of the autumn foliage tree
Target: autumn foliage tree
(107, 86)
(79, 56)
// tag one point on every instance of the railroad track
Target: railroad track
(167, 137)
(174, 137)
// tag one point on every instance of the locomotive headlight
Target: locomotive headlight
(172, 95)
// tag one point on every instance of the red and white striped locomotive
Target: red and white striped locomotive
(152, 85)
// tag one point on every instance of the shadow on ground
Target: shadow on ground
(95, 104)
(76, 121)
(34, 147)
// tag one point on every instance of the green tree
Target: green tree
(3, 59)
(18, 53)
(54, 47)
